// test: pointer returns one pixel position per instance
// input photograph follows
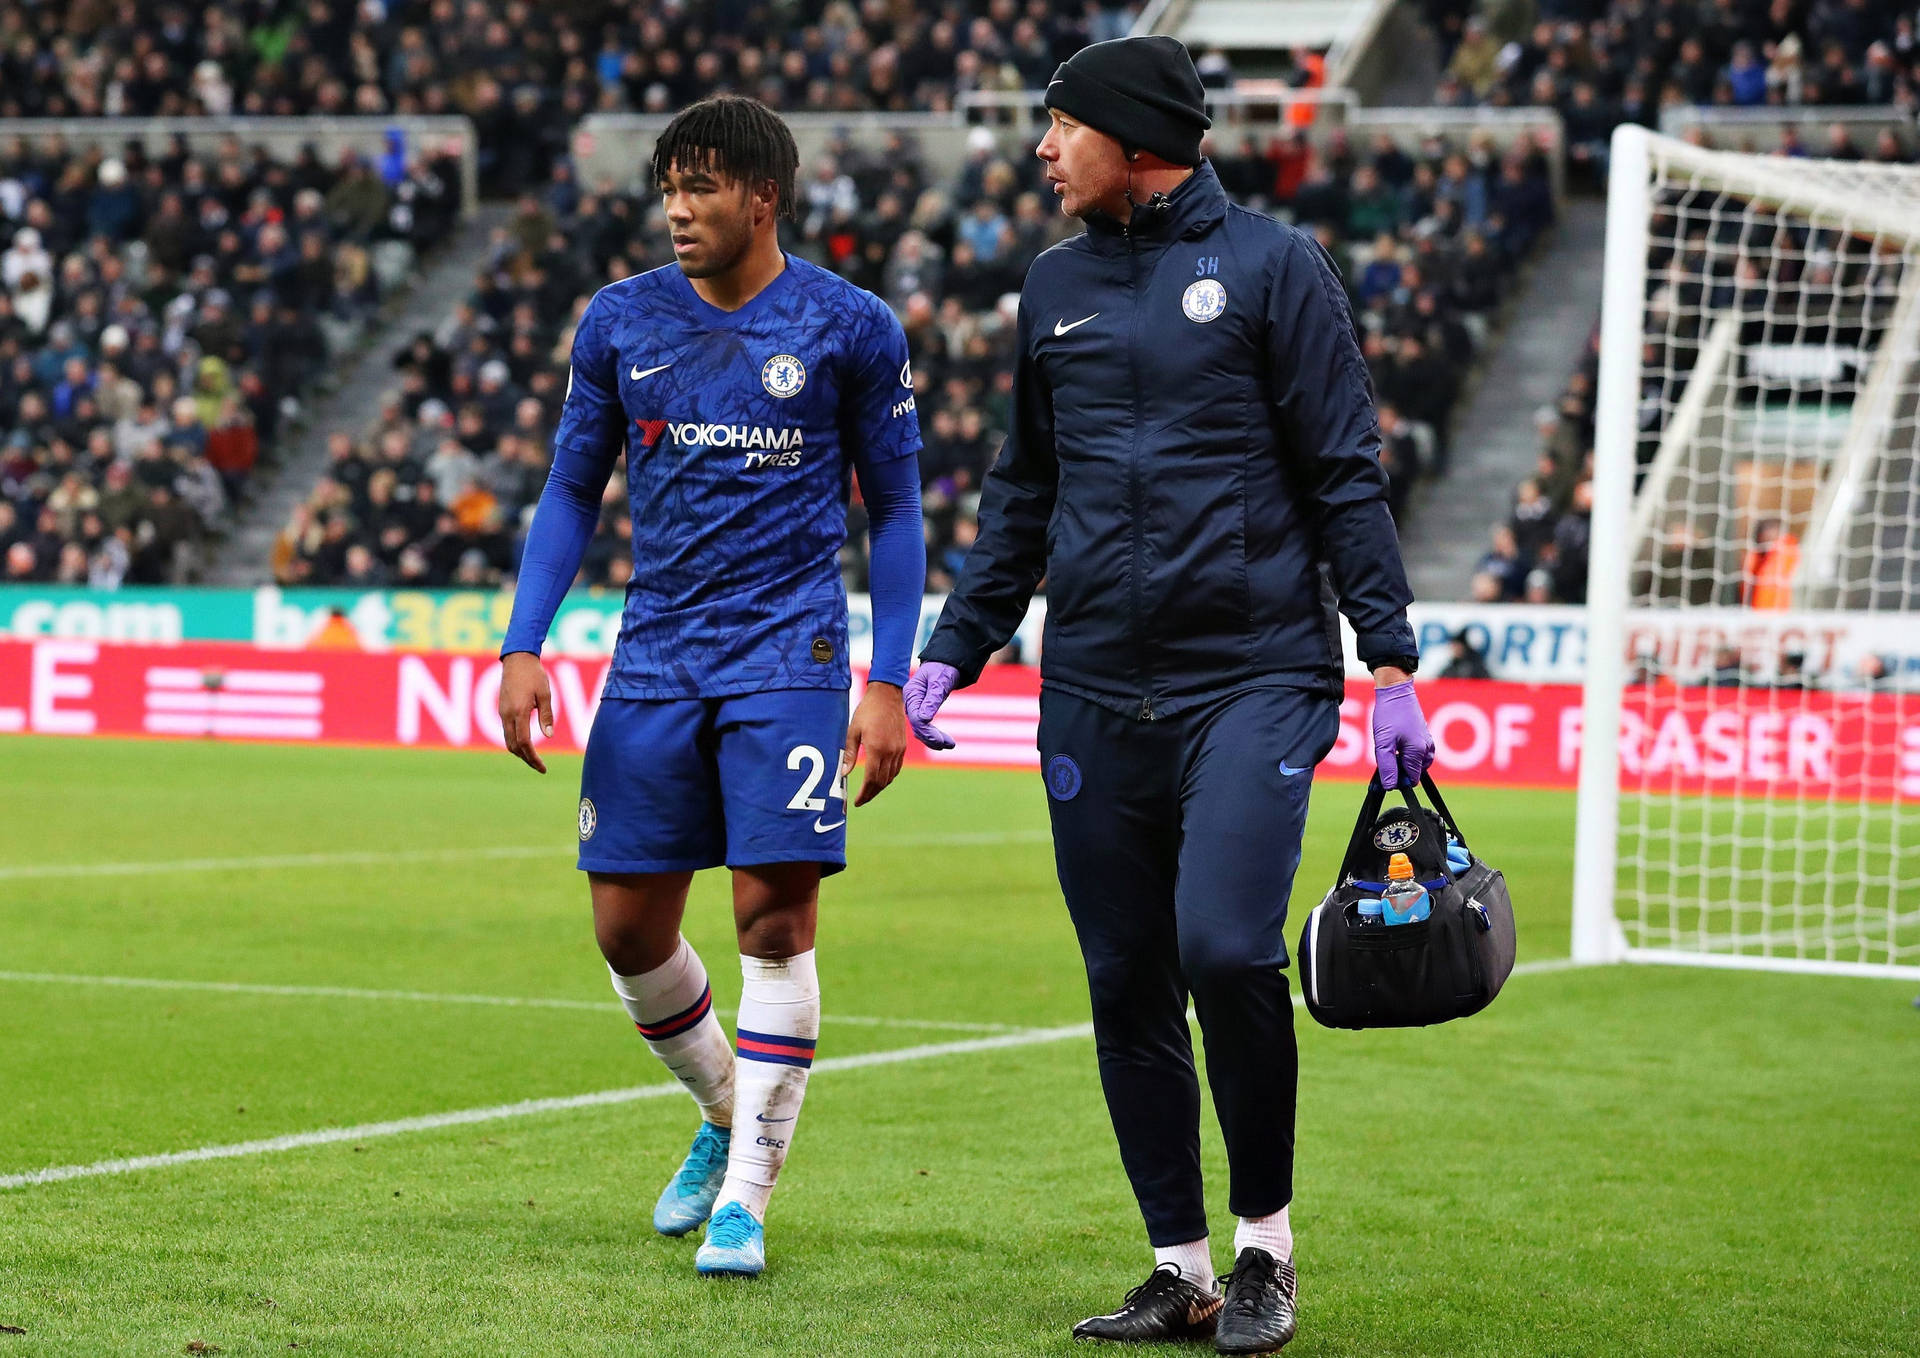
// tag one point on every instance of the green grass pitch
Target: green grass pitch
(1630, 1160)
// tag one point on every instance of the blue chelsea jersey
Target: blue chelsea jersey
(740, 428)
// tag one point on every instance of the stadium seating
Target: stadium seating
(159, 316)
(525, 73)
(439, 491)
(1601, 64)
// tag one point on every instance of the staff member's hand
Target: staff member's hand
(524, 690)
(1402, 744)
(926, 690)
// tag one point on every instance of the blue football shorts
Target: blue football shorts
(680, 784)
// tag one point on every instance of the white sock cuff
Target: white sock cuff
(1194, 1260)
(1272, 1233)
(665, 991)
(780, 980)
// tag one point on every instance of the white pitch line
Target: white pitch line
(1520, 969)
(1549, 964)
(330, 992)
(528, 1107)
(533, 1001)
(267, 862)
(498, 1112)
(379, 857)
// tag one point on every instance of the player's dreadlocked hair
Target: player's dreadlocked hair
(736, 136)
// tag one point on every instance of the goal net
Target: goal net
(1750, 778)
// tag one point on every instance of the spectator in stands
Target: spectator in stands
(1766, 576)
(1476, 61)
(1533, 519)
(134, 392)
(1588, 124)
(1464, 659)
(1873, 672)
(1572, 543)
(1400, 457)
(1502, 564)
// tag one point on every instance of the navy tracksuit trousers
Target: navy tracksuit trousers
(1176, 841)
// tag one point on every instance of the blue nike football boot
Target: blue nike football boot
(736, 1245)
(688, 1197)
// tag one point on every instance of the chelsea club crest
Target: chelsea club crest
(589, 819)
(1396, 835)
(1204, 301)
(783, 376)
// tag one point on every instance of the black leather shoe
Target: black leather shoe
(1165, 1306)
(1257, 1314)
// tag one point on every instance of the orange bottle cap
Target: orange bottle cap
(1399, 868)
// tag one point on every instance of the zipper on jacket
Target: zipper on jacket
(1134, 620)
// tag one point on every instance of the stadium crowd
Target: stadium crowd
(1600, 63)
(1790, 285)
(440, 489)
(159, 316)
(526, 73)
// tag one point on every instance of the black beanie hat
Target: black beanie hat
(1143, 92)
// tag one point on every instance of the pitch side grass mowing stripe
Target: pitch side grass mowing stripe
(382, 857)
(525, 1108)
(328, 992)
(527, 1001)
(529, 1107)
(530, 1001)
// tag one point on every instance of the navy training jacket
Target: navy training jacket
(1193, 467)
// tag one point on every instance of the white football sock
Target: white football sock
(672, 1006)
(779, 1024)
(1193, 1259)
(1272, 1233)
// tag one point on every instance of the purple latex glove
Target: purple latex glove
(1402, 744)
(926, 690)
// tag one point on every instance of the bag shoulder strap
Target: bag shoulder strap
(1439, 805)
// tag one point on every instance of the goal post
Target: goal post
(1750, 751)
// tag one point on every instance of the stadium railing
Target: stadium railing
(281, 136)
(616, 145)
(1759, 129)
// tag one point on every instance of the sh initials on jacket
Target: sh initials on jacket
(1061, 326)
(639, 372)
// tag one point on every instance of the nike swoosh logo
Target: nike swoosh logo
(637, 374)
(1061, 327)
(764, 1118)
(820, 829)
(1287, 771)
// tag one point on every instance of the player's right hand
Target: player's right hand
(523, 691)
(926, 690)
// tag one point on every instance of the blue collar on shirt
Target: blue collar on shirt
(714, 315)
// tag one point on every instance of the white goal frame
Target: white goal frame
(1640, 161)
